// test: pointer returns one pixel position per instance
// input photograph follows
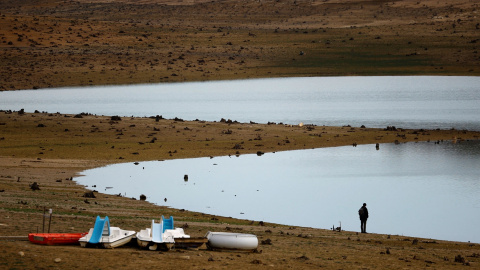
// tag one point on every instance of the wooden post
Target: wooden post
(50, 220)
(43, 226)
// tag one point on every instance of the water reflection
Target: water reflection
(416, 189)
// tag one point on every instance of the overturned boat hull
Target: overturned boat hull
(55, 238)
(231, 241)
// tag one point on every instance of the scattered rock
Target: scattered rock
(459, 259)
(89, 194)
(237, 146)
(302, 258)
(21, 253)
(268, 241)
(57, 260)
(35, 186)
(143, 197)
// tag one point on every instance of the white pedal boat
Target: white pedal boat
(104, 235)
(233, 241)
(161, 235)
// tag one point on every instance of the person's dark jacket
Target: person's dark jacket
(363, 213)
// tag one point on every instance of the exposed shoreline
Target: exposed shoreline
(51, 156)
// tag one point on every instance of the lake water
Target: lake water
(414, 189)
(407, 102)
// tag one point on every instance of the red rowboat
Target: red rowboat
(55, 238)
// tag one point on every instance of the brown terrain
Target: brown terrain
(51, 149)
(95, 42)
(72, 43)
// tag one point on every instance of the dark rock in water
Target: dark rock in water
(89, 194)
(35, 186)
(143, 197)
(185, 177)
(259, 153)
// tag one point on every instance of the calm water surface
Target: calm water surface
(407, 102)
(414, 189)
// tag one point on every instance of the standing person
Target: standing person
(363, 213)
